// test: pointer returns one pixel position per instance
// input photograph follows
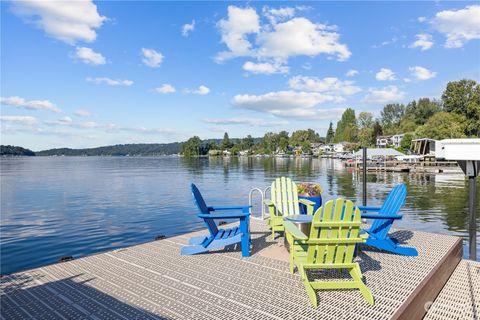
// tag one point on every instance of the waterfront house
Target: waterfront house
(385, 141)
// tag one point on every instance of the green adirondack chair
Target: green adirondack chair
(331, 245)
(284, 202)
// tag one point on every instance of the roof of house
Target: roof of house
(373, 152)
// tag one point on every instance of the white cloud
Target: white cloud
(23, 120)
(459, 26)
(423, 41)
(165, 88)
(110, 82)
(202, 90)
(68, 21)
(383, 95)
(187, 28)
(152, 58)
(280, 14)
(88, 56)
(235, 29)
(289, 104)
(407, 80)
(277, 41)
(421, 73)
(65, 121)
(421, 19)
(252, 122)
(330, 85)
(88, 125)
(351, 73)
(300, 36)
(264, 68)
(19, 102)
(83, 113)
(385, 74)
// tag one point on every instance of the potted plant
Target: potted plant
(312, 192)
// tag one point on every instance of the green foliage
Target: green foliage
(192, 147)
(140, 149)
(463, 98)
(226, 144)
(419, 112)
(15, 151)
(330, 133)
(301, 136)
(391, 116)
(406, 142)
(283, 144)
(347, 129)
(247, 143)
(443, 125)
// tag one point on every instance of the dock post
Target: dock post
(471, 212)
(364, 180)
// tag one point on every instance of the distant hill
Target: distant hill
(15, 151)
(141, 149)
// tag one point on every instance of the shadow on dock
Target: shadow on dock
(25, 297)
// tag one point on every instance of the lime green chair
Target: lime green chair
(284, 202)
(333, 235)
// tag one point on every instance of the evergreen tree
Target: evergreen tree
(226, 144)
(330, 134)
(347, 129)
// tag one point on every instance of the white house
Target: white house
(339, 147)
(385, 141)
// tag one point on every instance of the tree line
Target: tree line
(455, 115)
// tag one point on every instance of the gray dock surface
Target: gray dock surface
(152, 281)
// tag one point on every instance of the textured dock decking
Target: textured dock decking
(152, 281)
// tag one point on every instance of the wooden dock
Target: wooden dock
(152, 281)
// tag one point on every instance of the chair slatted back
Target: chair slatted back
(334, 233)
(285, 196)
(392, 205)
(203, 208)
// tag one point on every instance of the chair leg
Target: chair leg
(356, 274)
(310, 292)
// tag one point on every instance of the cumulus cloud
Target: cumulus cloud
(351, 73)
(330, 85)
(152, 58)
(202, 90)
(165, 88)
(289, 104)
(421, 73)
(264, 68)
(459, 26)
(82, 113)
(252, 122)
(22, 120)
(110, 82)
(383, 95)
(278, 14)
(234, 30)
(385, 74)
(423, 41)
(64, 121)
(277, 41)
(88, 125)
(88, 56)
(68, 21)
(20, 102)
(187, 28)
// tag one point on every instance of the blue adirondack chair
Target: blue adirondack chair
(383, 220)
(219, 238)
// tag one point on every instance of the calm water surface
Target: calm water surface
(57, 206)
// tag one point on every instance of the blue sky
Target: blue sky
(86, 73)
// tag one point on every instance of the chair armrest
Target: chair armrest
(269, 202)
(226, 208)
(369, 209)
(364, 237)
(223, 215)
(294, 231)
(381, 216)
(306, 202)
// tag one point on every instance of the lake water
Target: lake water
(57, 206)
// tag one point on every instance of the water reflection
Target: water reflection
(53, 207)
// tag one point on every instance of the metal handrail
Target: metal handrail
(250, 202)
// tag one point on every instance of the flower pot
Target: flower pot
(316, 199)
